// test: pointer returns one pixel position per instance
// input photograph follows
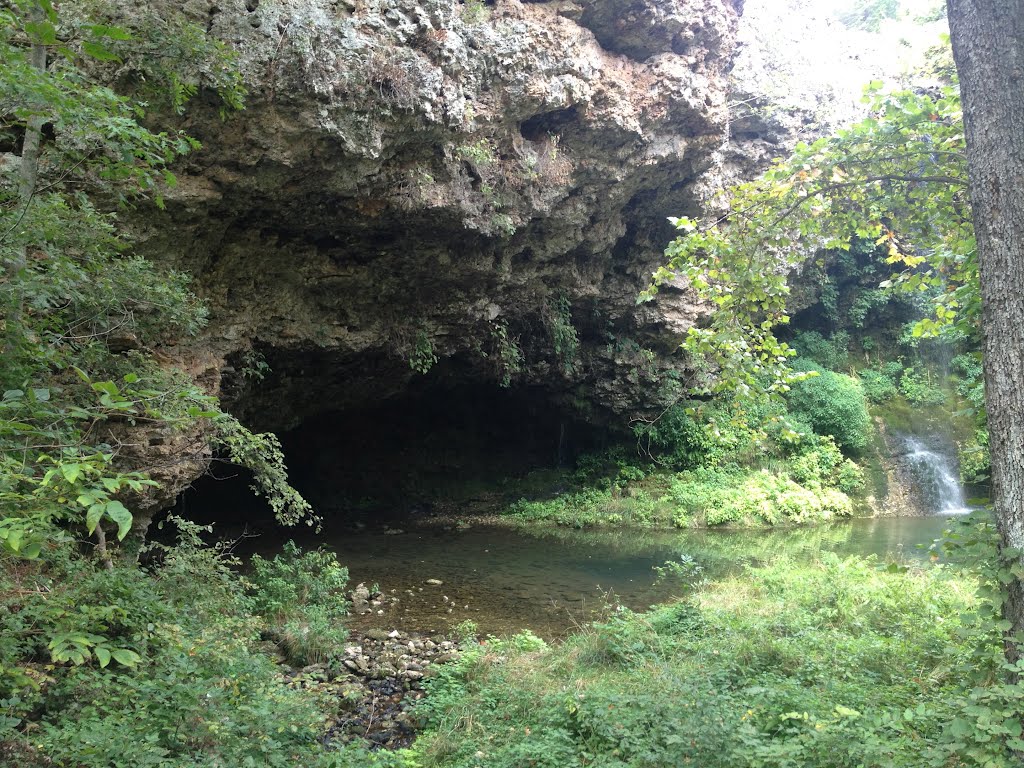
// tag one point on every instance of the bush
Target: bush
(769, 498)
(183, 685)
(724, 496)
(971, 379)
(676, 439)
(817, 463)
(833, 404)
(917, 386)
(850, 478)
(591, 507)
(878, 388)
(975, 462)
(832, 353)
(302, 596)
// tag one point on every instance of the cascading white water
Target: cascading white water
(936, 476)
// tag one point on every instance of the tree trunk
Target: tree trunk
(101, 548)
(33, 135)
(988, 46)
(29, 173)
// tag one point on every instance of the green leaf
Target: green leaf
(102, 655)
(125, 657)
(107, 387)
(99, 51)
(41, 32)
(104, 30)
(93, 516)
(71, 472)
(117, 512)
(31, 551)
(87, 499)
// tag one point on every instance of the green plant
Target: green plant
(878, 387)
(503, 223)
(473, 11)
(466, 631)
(975, 463)
(970, 379)
(838, 663)
(422, 357)
(918, 386)
(564, 336)
(254, 365)
(676, 439)
(865, 302)
(177, 654)
(833, 404)
(817, 462)
(683, 570)
(507, 353)
(850, 477)
(480, 153)
(834, 195)
(831, 353)
(81, 313)
(302, 596)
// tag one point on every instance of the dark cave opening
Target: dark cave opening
(547, 124)
(442, 447)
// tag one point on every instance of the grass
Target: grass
(840, 663)
(805, 489)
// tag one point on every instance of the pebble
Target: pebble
(377, 683)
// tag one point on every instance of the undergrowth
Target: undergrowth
(153, 667)
(835, 664)
(814, 484)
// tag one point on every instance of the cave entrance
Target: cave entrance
(451, 448)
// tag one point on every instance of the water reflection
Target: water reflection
(551, 580)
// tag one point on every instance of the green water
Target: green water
(553, 580)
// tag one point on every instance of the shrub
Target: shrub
(971, 379)
(733, 496)
(302, 596)
(676, 439)
(192, 691)
(773, 499)
(833, 404)
(832, 353)
(878, 388)
(975, 463)
(817, 463)
(919, 388)
(850, 477)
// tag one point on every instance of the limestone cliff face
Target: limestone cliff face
(430, 188)
(469, 182)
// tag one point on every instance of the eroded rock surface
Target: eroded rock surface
(430, 190)
(435, 179)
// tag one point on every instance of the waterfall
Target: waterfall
(936, 476)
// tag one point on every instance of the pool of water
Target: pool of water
(553, 580)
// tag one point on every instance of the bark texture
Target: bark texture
(988, 45)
